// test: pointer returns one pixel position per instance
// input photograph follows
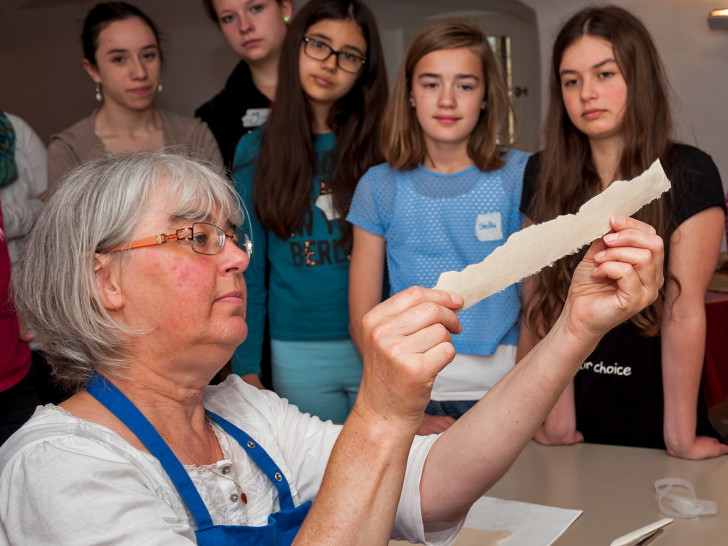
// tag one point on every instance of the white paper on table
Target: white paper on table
(530, 524)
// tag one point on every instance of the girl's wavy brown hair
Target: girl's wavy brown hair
(567, 176)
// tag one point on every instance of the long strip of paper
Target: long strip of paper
(530, 250)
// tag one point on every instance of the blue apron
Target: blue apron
(282, 526)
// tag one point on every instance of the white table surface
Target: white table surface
(614, 486)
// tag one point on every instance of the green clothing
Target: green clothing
(305, 291)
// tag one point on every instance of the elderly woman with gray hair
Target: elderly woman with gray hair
(133, 278)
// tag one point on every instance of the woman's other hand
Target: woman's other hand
(406, 341)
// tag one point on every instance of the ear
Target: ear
(482, 105)
(412, 100)
(91, 70)
(286, 8)
(107, 282)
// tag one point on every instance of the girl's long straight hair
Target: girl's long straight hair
(283, 181)
(403, 142)
(567, 176)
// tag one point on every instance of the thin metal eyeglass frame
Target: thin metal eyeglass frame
(245, 243)
(307, 40)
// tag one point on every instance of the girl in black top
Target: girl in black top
(255, 31)
(609, 119)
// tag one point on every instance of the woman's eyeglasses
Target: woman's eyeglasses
(320, 51)
(204, 238)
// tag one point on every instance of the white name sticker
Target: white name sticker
(255, 117)
(326, 204)
(489, 227)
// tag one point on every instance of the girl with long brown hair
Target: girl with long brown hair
(123, 57)
(609, 119)
(298, 176)
(447, 196)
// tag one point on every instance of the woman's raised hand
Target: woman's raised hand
(407, 341)
(620, 275)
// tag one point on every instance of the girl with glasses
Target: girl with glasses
(609, 119)
(447, 197)
(297, 176)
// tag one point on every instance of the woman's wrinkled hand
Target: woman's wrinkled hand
(620, 275)
(407, 341)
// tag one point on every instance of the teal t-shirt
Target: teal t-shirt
(305, 291)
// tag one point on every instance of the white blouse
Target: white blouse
(64, 480)
(20, 200)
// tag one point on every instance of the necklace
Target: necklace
(234, 497)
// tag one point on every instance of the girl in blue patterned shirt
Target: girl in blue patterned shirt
(447, 197)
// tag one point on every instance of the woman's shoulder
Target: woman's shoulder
(692, 168)
(513, 154)
(695, 179)
(58, 437)
(81, 135)
(55, 453)
(685, 156)
(383, 180)
(687, 151)
(515, 161)
(71, 147)
(532, 169)
(46, 423)
(181, 125)
(18, 123)
(384, 170)
(190, 133)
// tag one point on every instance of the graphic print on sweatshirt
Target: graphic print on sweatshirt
(308, 248)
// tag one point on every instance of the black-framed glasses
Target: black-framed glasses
(204, 238)
(320, 51)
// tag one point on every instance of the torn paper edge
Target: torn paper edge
(528, 251)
